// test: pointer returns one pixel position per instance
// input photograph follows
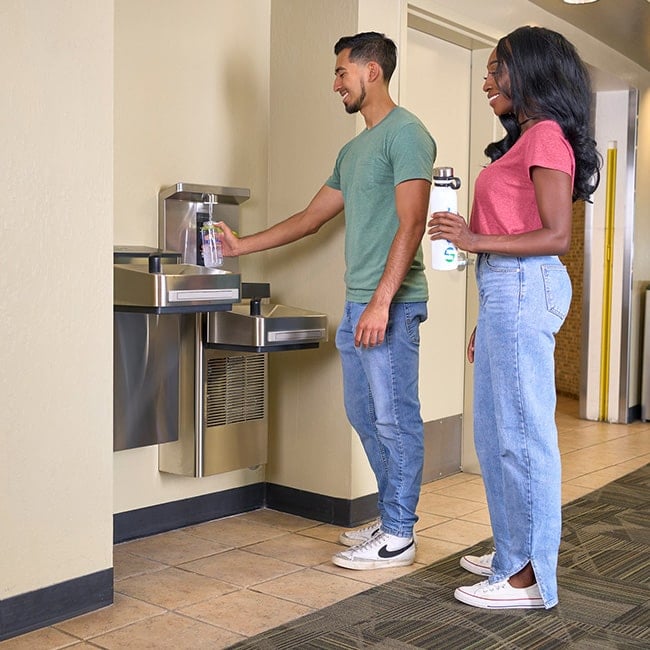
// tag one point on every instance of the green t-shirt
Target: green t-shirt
(367, 170)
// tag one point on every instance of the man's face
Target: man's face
(349, 82)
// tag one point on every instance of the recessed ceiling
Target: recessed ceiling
(624, 25)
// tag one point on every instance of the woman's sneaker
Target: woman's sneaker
(380, 552)
(358, 536)
(479, 565)
(500, 595)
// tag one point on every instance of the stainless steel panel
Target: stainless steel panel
(276, 325)
(224, 426)
(193, 192)
(146, 366)
(178, 285)
(182, 456)
(182, 208)
(645, 367)
(625, 350)
(442, 447)
(235, 411)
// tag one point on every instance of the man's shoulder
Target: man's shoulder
(404, 116)
(407, 122)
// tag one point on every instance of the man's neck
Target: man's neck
(376, 111)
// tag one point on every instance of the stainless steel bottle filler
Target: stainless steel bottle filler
(197, 341)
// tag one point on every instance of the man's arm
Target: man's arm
(327, 203)
(411, 200)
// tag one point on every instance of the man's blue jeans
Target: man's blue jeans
(523, 301)
(380, 386)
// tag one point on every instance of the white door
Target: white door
(438, 85)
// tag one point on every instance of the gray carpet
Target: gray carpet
(604, 579)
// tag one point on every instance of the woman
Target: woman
(521, 220)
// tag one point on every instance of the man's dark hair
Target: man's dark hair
(370, 46)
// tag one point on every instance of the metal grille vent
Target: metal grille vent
(236, 389)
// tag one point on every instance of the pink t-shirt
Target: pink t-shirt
(504, 195)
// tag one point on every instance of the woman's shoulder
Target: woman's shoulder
(544, 134)
(545, 128)
(545, 144)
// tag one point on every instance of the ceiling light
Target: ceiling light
(581, 2)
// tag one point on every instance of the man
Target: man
(382, 178)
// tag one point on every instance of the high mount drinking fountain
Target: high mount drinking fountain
(223, 420)
(162, 288)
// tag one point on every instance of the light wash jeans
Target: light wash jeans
(523, 302)
(380, 389)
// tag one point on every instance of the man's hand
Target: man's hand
(371, 328)
(229, 241)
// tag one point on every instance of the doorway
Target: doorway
(439, 81)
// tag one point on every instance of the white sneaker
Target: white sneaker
(479, 565)
(358, 536)
(500, 595)
(379, 552)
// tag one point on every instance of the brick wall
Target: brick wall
(569, 338)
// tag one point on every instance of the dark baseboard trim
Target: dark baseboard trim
(329, 510)
(186, 512)
(196, 510)
(36, 609)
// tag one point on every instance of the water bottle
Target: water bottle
(443, 198)
(211, 244)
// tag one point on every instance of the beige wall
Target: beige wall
(56, 286)
(191, 105)
(310, 439)
(312, 446)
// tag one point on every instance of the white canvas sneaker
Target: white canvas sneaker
(500, 595)
(478, 565)
(379, 552)
(358, 536)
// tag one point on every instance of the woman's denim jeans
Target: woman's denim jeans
(523, 301)
(380, 386)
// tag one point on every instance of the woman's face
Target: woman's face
(497, 86)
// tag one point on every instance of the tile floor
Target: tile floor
(210, 585)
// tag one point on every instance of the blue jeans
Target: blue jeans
(523, 302)
(380, 389)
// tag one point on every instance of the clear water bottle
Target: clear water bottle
(211, 244)
(443, 198)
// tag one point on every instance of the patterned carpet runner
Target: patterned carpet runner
(604, 581)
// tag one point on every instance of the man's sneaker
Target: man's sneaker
(500, 595)
(379, 552)
(479, 565)
(358, 536)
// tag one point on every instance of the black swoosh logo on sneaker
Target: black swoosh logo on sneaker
(386, 554)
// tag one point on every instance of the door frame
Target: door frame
(484, 127)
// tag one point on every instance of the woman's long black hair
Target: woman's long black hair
(548, 80)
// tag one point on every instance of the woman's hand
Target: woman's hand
(470, 347)
(452, 227)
